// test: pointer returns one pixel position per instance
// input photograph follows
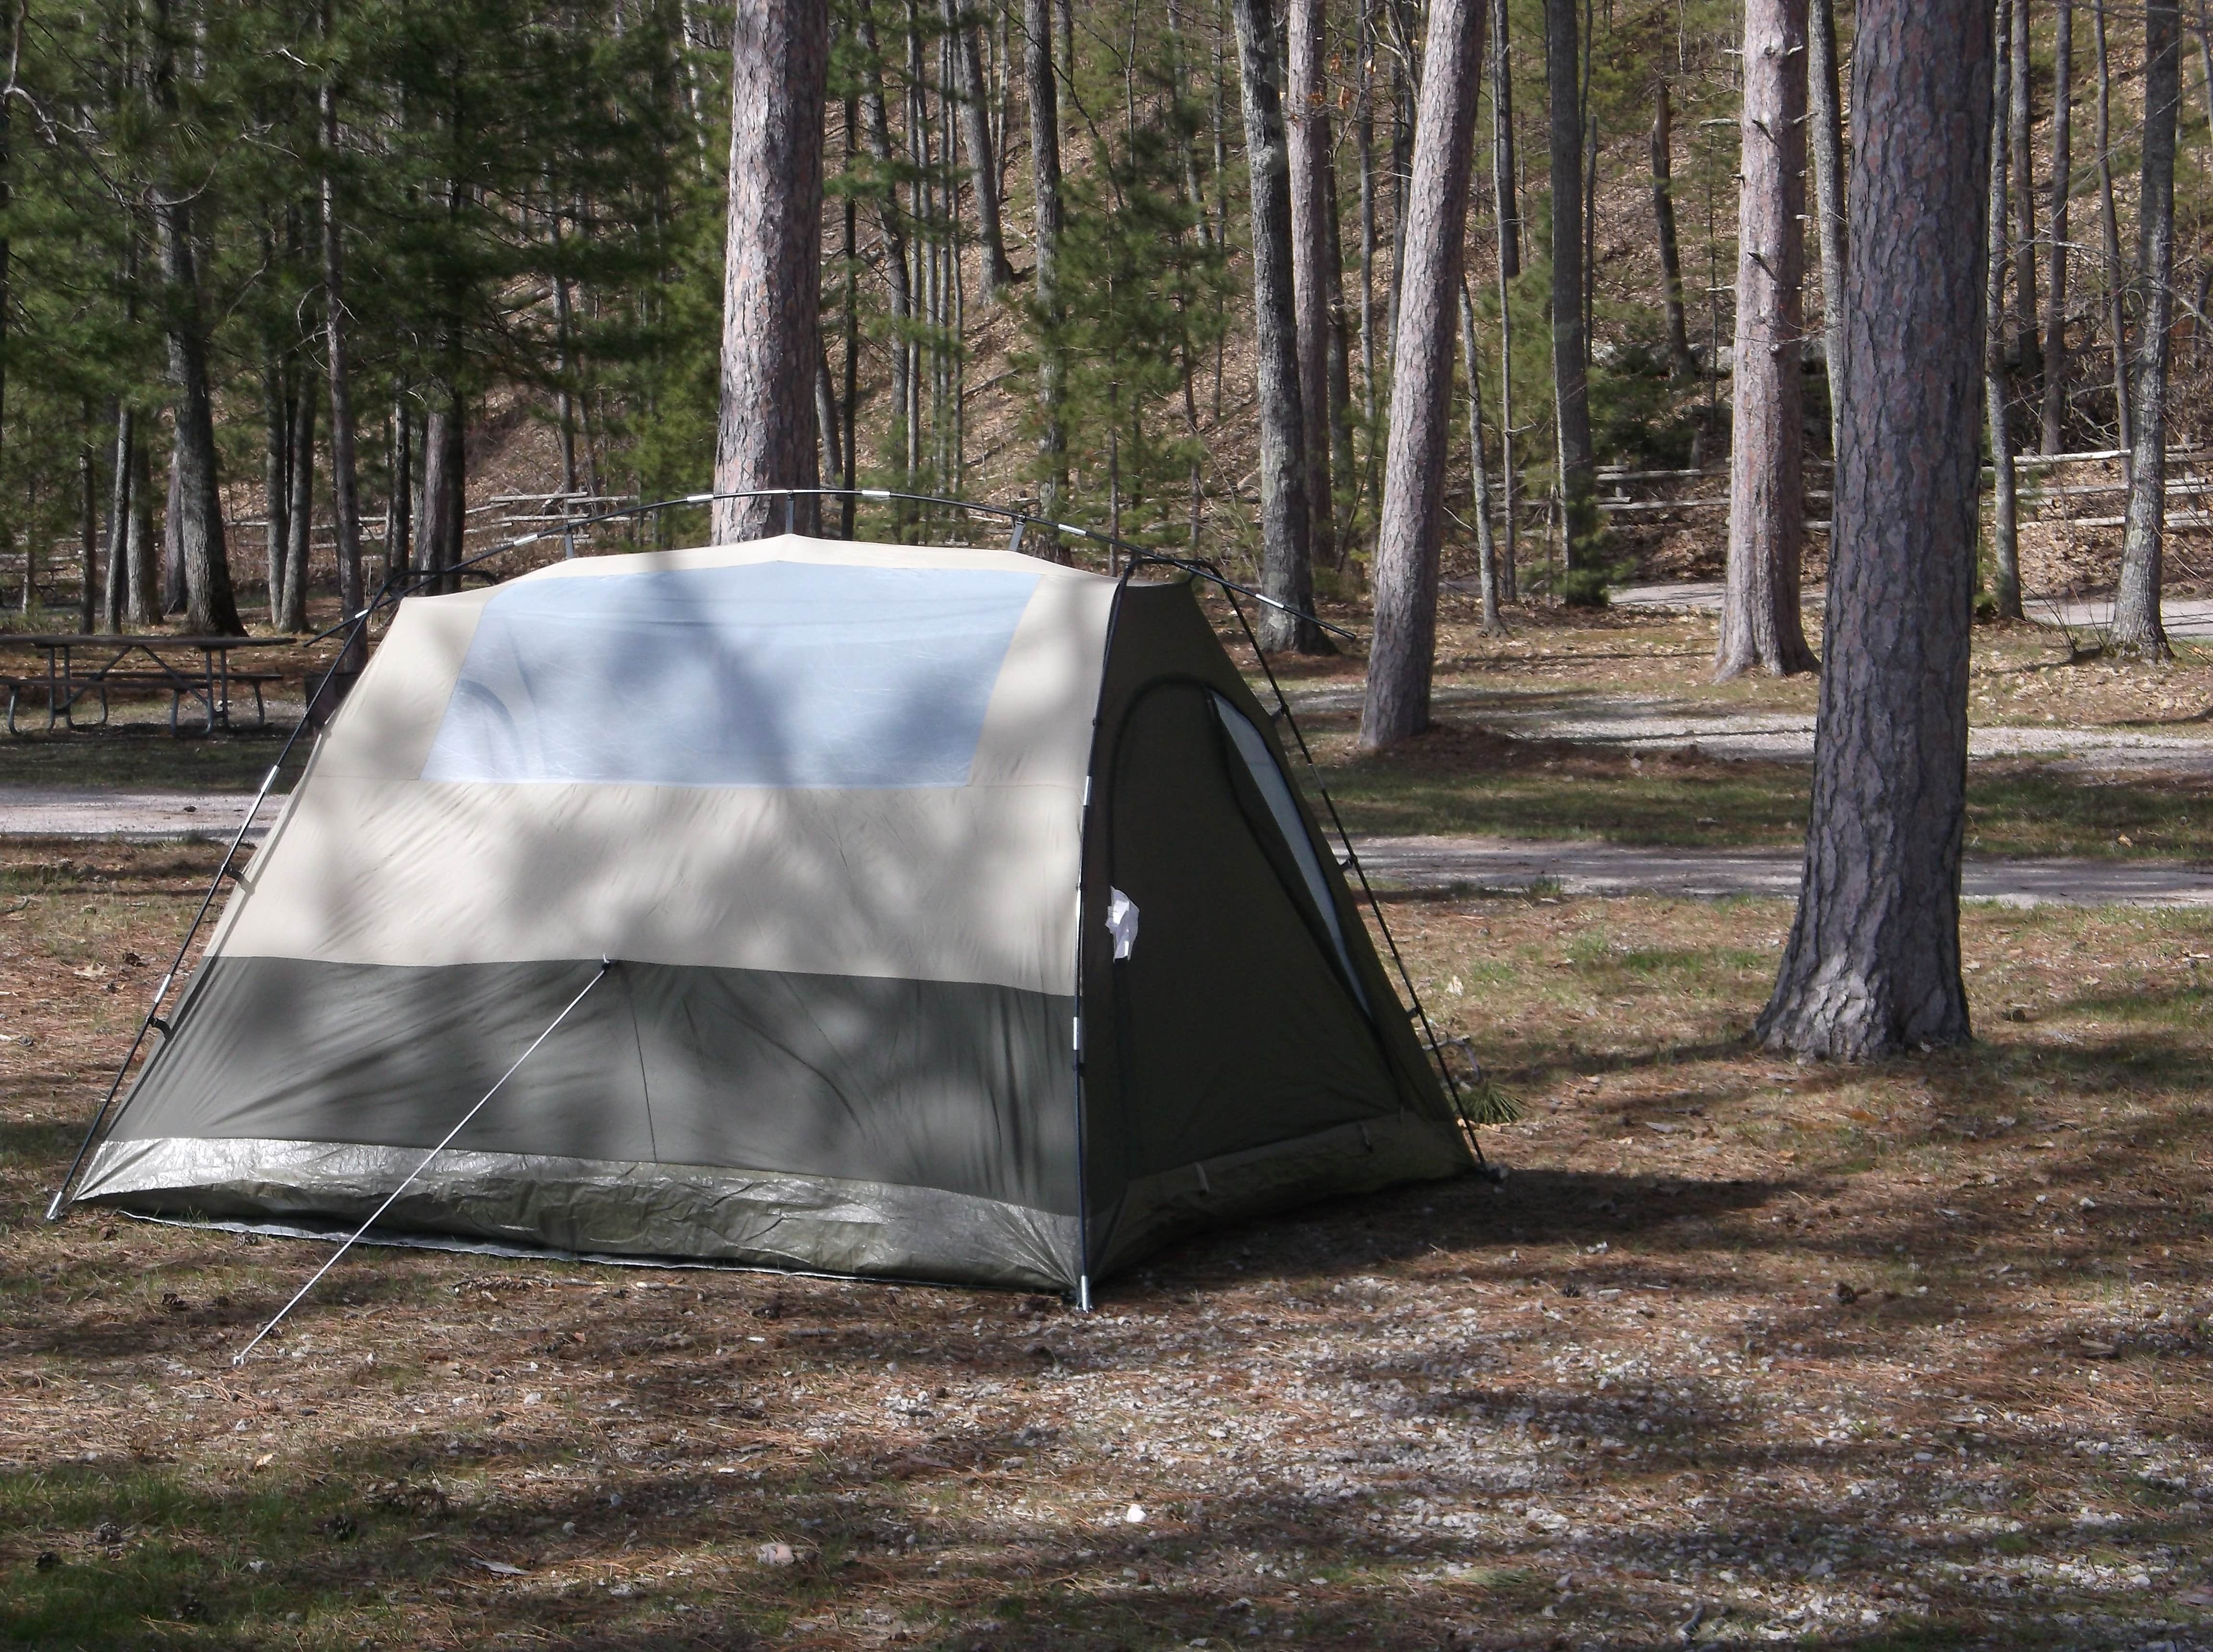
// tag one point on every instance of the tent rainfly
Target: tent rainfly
(964, 925)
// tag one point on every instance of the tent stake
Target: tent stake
(239, 1358)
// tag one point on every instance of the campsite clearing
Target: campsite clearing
(1913, 1354)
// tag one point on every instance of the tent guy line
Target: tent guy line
(391, 1198)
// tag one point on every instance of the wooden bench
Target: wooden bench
(72, 690)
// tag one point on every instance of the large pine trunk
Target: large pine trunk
(1286, 572)
(276, 475)
(771, 273)
(1313, 227)
(897, 280)
(1407, 529)
(1873, 962)
(2137, 629)
(1570, 376)
(2109, 225)
(2053, 432)
(1760, 624)
(143, 556)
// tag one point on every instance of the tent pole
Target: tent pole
(597, 975)
(1353, 860)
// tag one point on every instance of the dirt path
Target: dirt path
(1595, 868)
(1644, 722)
(2190, 616)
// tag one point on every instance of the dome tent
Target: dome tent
(963, 926)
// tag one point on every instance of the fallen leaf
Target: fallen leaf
(775, 1554)
(264, 1459)
(501, 1568)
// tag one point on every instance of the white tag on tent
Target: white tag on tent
(1122, 921)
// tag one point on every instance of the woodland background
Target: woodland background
(529, 201)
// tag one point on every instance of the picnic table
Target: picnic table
(80, 667)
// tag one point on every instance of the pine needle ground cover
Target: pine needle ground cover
(1904, 1356)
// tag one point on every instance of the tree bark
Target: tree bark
(1570, 379)
(1508, 201)
(1825, 124)
(1872, 966)
(1680, 365)
(300, 510)
(2005, 533)
(345, 499)
(1044, 172)
(771, 275)
(113, 598)
(2023, 124)
(276, 475)
(2109, 225)
(1286, 534)
(210, 609)
(983, 172)
(88, 467)
(144, 552)
(2053, 431)
(897, 280)
(2137, 629)
(1479, 468)
(1407, 529)
(434, 552)
(399, 504)
(1760, 624)
(1313, 228)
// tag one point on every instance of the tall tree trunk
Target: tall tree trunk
(1342, 505)
(1825, 125)
(143, 557)
(1478, 469)
(1680, 365)
(172, 518)
(208, 607)
(1760, 624)
(2137, 629)
(1286, 535)
(1872, 966)
(300, 513)
(345, 499)
(2109, 225)
(434, 553)
(1313, 228)
(399, 503)
(2005, 530)
(275, 474)
(88, 467)
(1570, 377)
(2022, 122)
(1364, 143)
(1408, 530)
(771, 276)
(1045, 172)
(1508, 198)
(976, 123)
(898, 279)
(830, 462)
(113, 605)
(2053, 432)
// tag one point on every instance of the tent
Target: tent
(948, 915)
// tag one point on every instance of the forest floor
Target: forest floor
(1740, 1351)
(1908, 1355)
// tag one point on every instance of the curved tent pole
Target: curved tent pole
(1351, 857)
